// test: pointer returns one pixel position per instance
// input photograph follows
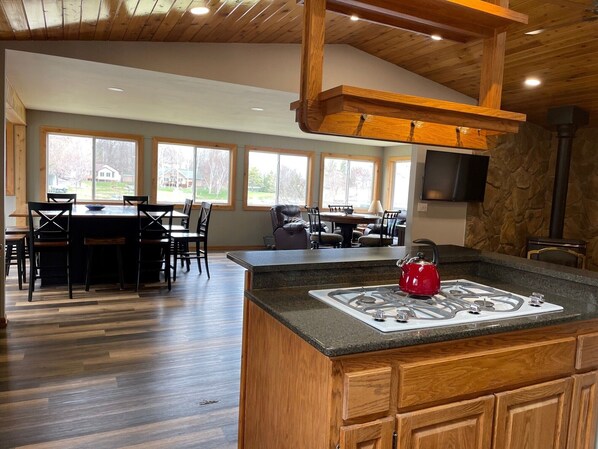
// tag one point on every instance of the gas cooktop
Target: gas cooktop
(459, 301)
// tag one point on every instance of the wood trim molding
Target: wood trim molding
(10, 159)
(281, 151)
(43, 142)
(390, 178)
(231, 147)
(351, 157)
(20, 141)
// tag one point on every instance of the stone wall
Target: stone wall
(519, 193)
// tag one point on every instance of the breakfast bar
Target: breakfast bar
(314, 376)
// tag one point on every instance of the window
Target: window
(96, 166)
(202, 171)
(276, 177)
(400, 168)
(349, 180)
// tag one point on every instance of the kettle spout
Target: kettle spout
(401, 262)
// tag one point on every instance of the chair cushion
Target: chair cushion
(374, 240)
(327, 238)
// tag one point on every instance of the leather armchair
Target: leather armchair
(289, 229)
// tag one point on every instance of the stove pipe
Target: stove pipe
(566, 119)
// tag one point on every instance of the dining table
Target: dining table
(107, 221)
(348, 222)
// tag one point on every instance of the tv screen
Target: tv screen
(454, 176)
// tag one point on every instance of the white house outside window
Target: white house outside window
(94, 167)
(196, 170)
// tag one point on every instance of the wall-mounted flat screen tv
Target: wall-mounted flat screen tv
(454, 176)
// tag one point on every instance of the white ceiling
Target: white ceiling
(51, 83)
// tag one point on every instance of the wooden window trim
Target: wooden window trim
(351, 157)
(390, 170)
(304, 153)
(10, 159)
(45, 130)
(197, 143)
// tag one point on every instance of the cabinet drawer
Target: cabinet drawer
(484, 371)
(587, 351)
(366, 392)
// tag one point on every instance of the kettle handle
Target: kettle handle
(435, 257)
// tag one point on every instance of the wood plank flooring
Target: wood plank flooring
(117, 369)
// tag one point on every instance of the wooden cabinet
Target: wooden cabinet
(584, 411)
(374, 435)
(463, 425)
(534, 417)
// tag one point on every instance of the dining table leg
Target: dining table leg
(347, 233)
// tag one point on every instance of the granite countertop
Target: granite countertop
(335, 333)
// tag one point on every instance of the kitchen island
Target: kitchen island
(314, 377)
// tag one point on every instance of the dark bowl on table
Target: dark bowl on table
(94, 206)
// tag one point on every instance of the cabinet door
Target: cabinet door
(584, 411)
(462, 425)
(372, 435)
(534, 417)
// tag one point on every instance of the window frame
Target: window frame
(391, 179)
(47, 130)
(232, 148)
(351, 157)
(279, 151)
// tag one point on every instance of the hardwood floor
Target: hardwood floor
(117, 369)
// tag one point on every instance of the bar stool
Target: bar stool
(16, 242)
(91, 242)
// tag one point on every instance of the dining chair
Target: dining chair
(154, 239)
(52, 237)
(319, 233)
(184, 226)
(134, 200)
(61, 197)
(199, 238)
(383, 234)
(15, 243)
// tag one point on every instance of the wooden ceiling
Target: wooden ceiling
(564, 55)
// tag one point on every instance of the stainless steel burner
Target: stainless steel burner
(459, 301)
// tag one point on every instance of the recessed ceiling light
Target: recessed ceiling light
(116, 89)
(257, 109)
(436, 37)
(200, 10)
(354, 18)
(532, 82)
(534, 32)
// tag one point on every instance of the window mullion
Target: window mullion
(278, 179)
(347, 182)
(193, 186)
(93, 168)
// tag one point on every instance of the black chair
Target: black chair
(52, 236)
(319, 233)
(385, 233)
(199, 237)
(15, 243)
(184, 226)
(134, 200)
(62, 198)
(154, 239)
(289, 229)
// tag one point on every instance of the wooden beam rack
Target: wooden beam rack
(358, 112)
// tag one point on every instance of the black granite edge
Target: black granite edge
(311, 320)
(298, 260)
(542, 268)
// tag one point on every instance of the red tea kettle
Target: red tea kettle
(418, 276)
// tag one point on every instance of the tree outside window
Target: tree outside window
(276, 178)
(95, 168)
(202, 173)
(348, 181)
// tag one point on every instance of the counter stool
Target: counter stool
(91, 242)
(16, 243)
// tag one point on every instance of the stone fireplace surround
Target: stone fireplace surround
(519, 193)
